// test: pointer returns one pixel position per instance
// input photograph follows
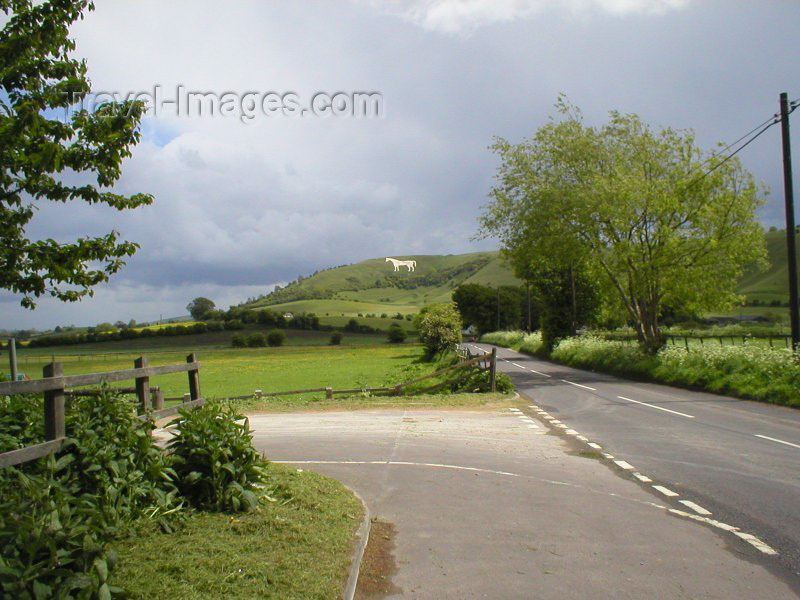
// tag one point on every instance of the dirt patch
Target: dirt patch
(378, 566)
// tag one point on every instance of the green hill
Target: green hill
(772, 285)
(374, 287)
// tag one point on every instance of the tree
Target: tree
(44, 157)
(653, 219)
(490, 309)
(276, 337)
(396, 334)
(200, 307)
(439, 327)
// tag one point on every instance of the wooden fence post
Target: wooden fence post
(12, 357)
(493, 371)
(257, 394)
(53, 405)
(158, 399)
(194, 378)
(142, 385)
(329, 393)
(187, 397)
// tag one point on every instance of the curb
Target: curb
(363, 535)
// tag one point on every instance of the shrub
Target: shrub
(256, 340)
(238, 340)
(276, 338)
(58, 514)
(215, 462)
(439, 327)
(336, 338)
(397, 334)
(234, 325)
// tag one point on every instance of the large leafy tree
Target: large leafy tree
(654, 219)
(51, 151)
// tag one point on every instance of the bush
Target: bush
(58, 514)
(397, 334)
(439, 327)
(256, 340)
(216, 465)
(238, 340)
(276, 338)
(336, 338)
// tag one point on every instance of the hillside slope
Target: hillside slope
(772, 284)
(374, 286)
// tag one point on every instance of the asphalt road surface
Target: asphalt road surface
(737, 460)
(488, 504)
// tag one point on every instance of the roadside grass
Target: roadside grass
(241, 371)
(297, 546)
(317, 402)
(750, 371)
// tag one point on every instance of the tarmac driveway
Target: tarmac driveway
(487, 504)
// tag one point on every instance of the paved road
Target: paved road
(487, 505)
(738, 460)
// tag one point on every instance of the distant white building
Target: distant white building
(288, 316)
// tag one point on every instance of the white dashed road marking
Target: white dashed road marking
(666, 491)
(674, 412)
(624, 465)
(696, 507)
(586, 387)
(643, 478)
(539, 373)
(750, 539)
(595, 446)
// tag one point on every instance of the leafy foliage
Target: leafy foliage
(396, 334)
(58, 514)
(439, 327)
(200, 307)
(276, 337)
(213, 456)
(655, 221)
(38, 78)
(489, 309)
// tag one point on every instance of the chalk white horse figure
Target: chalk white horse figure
(411, 264)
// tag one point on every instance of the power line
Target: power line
(774, 121)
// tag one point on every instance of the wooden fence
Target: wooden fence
(54, 385)
(484, 362)
(684, 340)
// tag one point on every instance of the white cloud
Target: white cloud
(465, 16)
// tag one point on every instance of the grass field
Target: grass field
(240, 371)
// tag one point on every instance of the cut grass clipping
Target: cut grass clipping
(296, 546)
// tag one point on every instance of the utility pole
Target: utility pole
(794, 317)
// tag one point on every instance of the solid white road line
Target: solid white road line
(674, 412)
(586, 387)
(666, 491)
(772, 439)
(696, 507)
(624, 465)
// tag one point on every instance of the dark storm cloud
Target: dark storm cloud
(240, 207)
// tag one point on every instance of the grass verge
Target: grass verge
(366, 402)
(297, 546)
(754, 372)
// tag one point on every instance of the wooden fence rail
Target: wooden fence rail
(675, 340)
(54, 386)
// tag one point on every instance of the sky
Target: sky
(242, 204)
